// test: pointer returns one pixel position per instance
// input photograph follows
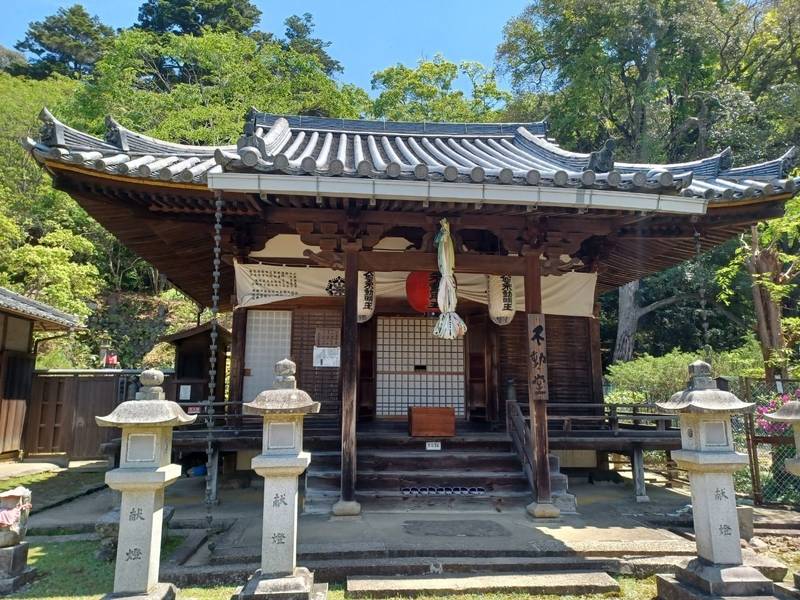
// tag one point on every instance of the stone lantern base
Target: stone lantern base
(299, 586)
(787, 591)
(700, 579)
(162, 591)
(14, 569)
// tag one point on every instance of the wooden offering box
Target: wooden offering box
(431, 422)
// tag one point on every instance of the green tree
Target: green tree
(69, 42)
(11, 60)
(56, 270)
(192, 17)
(427, 92)
(299, 30)
(211, 82)
(770, 254)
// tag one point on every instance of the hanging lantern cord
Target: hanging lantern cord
(211, 465)
(698, 250)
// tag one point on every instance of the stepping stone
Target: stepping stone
(576, 583)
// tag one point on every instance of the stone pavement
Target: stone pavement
(609, 520)
(9, 469)
(611, 533)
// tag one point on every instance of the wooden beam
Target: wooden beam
(426, 261)
(349, 380)
(538, 392)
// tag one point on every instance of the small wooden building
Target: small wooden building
(301, 220)
(20, 317)
(189, 386)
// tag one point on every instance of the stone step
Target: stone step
(320, 502)
(343, 566)
(380, 481)
(492, 442)
(572, 583)
(383, 460)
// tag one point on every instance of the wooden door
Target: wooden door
(478, 368)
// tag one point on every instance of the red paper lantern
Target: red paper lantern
(421, 290)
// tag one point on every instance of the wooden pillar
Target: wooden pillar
(637, 467)
(538, 391)
(347, 505)
(238, 342)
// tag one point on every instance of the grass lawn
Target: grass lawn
(53, 487)
(69, 570)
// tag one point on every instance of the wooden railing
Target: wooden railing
(608, 417)
(604, 427)
(520, 431)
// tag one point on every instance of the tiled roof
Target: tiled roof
(500, 153)
(45, 316)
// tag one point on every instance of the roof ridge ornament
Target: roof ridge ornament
(602, 161)
(52, 130)
(725, 160)
(263, 143)
(788, 161)
(116, 134)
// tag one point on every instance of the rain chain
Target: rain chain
(212, 371)
(698, 251)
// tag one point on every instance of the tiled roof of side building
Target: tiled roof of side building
(497, 153)
(45, 316)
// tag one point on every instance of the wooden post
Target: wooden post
(238, 342)
(538, 392)
(348, 369)
(637, 466)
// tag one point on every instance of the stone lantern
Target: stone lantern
(144, 471)
(281, 461)
(707, 454)
(790, 413)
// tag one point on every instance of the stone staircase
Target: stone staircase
(472, 467)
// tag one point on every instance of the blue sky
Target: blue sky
(366, 36)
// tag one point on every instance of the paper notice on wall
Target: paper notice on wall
(185, 392)
(326, 357)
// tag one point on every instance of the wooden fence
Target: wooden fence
(63, 405)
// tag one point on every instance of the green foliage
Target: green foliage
(54, 271)
(298, 38)
(11, 61)
(192, 17)
(197, 89)
(44, 249)
(605, 64)
(426, 93)
(68, 42)
(656, 378)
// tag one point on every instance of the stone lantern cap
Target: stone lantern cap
(285, 398)
(788, 413)
(702, 395)
(149, 408)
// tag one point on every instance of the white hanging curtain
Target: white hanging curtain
(450, 325)
(501, 299)
(366, 296)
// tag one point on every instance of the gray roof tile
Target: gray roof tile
(504, 153)
(43, 314)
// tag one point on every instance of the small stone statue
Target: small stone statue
(15, 506)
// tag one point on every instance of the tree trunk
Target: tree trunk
(764, 264)
(629, 313)
(627, 322)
